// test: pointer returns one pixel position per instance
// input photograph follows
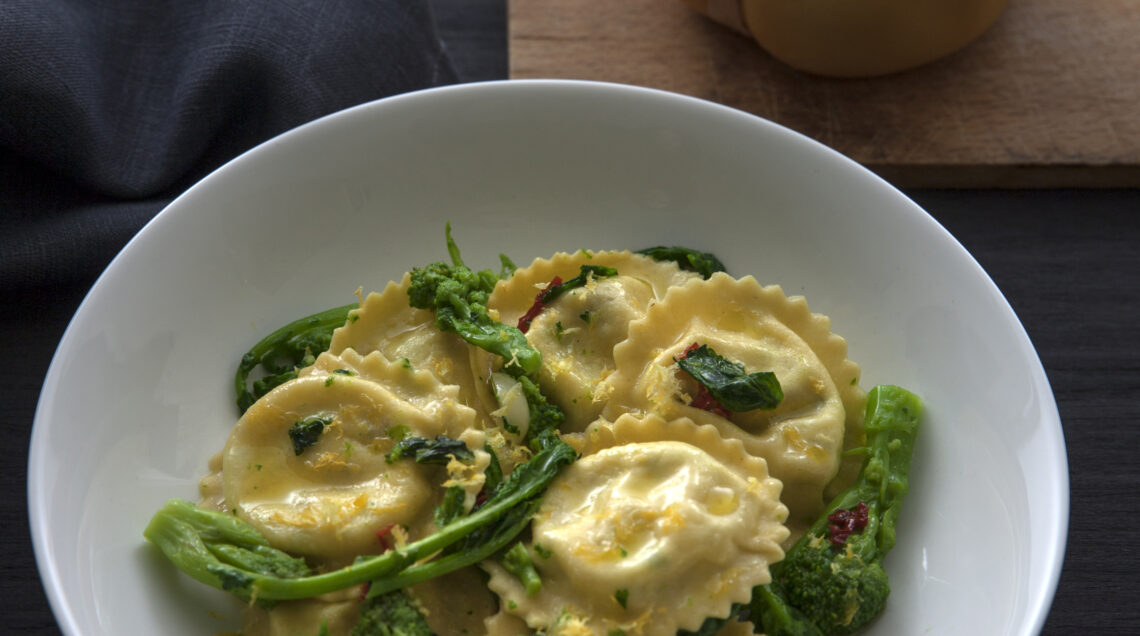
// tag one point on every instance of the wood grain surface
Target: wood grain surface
(1048, 97)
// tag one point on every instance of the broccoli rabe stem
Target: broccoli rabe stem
(502, 533)
(190, 537)
(517, 561)
(891, 426)
(833, 584)
(285, 350)
(216, 548)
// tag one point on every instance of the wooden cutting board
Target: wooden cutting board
(1048, 97)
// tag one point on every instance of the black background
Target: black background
(1066, 260)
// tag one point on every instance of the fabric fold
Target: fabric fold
(110, 108)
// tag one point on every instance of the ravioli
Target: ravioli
(577, 332)
(421, 389)
(622, 538)
(759, 327)
(385, 322)
(328, 501)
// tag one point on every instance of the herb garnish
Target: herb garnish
(729, 383)
(306, 432)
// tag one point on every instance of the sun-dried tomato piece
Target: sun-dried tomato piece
(539, 304)
(844, 523)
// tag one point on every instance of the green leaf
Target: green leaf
(427, 451)
(690, 260)
(306, 432)
(507, 268)
(729, 382)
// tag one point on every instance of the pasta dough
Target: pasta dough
(385, 322)
(336, 612)
(419, 388)
(576, 333)
(622, 539)
(764, 330)
(328, 501)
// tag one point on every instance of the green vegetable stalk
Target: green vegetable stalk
(832, 580)
(477, 547)
(517, 561)
(281, 353)
(218, 549)
(222, 551)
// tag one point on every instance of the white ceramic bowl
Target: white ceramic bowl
(138, 394)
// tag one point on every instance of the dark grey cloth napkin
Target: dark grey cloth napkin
(111, 108)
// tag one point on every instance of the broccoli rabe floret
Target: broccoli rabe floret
(458, 296)
(837, 590)
(832, 580)
(545, 418)
(391, 614)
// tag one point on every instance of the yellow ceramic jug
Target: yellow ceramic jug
(856, 38)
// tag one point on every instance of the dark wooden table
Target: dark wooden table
(1067, 261)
